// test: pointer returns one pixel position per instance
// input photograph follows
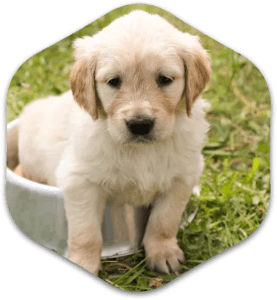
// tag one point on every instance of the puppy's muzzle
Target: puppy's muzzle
(140, 125)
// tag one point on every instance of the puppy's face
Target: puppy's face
(139, 72)
(139, 92)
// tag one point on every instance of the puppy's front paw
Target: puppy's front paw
(91, 265)
(163, 255)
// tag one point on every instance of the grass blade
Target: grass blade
(128, 273)
(255, 167)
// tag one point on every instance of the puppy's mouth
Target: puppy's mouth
(138, 139)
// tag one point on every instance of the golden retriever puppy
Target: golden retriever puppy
(130, 130)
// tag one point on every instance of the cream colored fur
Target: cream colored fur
(80, 142)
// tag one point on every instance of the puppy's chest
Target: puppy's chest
(139, 182)
(139, 176)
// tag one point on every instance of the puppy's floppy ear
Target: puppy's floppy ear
(82, 79)
(197, 69)
(83, 87)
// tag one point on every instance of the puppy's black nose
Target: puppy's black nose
(140, 124)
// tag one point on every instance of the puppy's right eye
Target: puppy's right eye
(164, 81)
(115, 82)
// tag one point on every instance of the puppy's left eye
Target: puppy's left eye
(164, 81)
(115, 82)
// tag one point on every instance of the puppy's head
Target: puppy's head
(139, 73)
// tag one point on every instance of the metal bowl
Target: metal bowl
(39, 212)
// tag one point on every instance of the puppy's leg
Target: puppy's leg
(160, 241)
(19, 171)
(84, 204)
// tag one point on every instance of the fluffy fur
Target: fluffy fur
(80, 141)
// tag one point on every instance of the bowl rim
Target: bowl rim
(24, 183)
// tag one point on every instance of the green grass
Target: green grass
(235, 187)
